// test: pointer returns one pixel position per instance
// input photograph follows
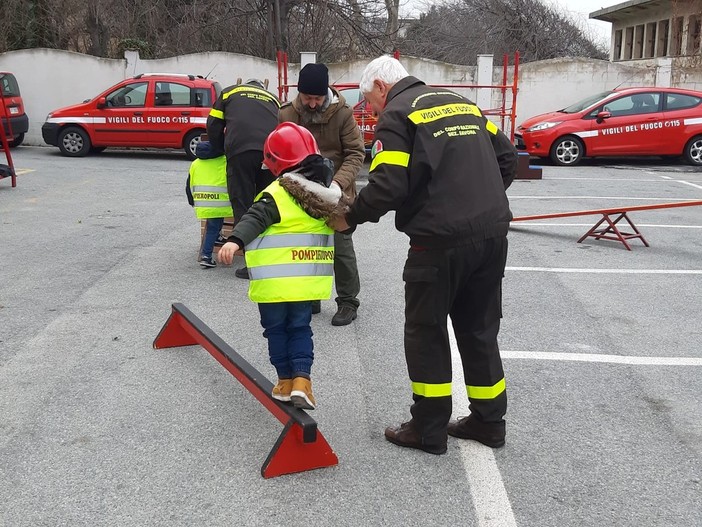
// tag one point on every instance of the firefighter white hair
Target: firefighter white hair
(385, 68)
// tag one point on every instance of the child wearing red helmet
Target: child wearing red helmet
(289, 254)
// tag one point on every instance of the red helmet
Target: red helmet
(287, 146)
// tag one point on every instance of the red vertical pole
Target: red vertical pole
(503, 110)
(280, 76)
(285, 73)
(513, 112)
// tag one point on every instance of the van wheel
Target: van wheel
(693, 151)
(17, 140)
(567, 151)
(74, 142)
(190, 143)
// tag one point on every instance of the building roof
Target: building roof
(626, 10)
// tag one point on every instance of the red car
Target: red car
(362, 113)
(150, 110)
(620, 122)
(14, 119)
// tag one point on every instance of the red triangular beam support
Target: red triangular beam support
(300, 446)
(612, 232)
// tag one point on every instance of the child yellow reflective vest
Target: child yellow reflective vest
(292, 260)
(208, 185)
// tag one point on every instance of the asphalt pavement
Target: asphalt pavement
(601, 349)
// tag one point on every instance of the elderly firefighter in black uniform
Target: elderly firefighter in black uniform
(444, 168)
(239, 122)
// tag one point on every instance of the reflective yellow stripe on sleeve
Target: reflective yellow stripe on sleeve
(390, 157)
(218, 114)
(486, 392)
(262, 94)
(435, 113)
(491, 127)
(431, 390)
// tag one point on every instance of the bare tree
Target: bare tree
(458, 30)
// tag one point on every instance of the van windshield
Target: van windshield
(585, 103)
(9, 85)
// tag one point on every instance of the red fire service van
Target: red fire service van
(621, 122)
(14, 119)
(154, 110)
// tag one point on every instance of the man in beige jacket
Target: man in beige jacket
(324, 112)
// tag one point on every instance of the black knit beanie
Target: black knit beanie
(314, 80)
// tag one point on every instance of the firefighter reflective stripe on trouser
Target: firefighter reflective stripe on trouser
(435, 113)
(390, 157)
(218, 114)
(486, 392)
(491, 127)
(431, 390)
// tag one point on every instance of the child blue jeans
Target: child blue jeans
(212, 229)
(287, 328)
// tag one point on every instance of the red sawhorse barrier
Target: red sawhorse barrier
(300, 446)
(612, 231)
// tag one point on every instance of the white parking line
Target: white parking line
(667, 199)
(688, 183)
(600, 357)
(487, 490)
(603, 271)
(655, 225)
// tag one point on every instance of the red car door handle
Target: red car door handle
(138, 113)
(184, 113)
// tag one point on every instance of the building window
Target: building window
(694, 28)
(628, 43)
(662, 42)
(617, 45)
(676, 40)
(638, 41)
(650, 44)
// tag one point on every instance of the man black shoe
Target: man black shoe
(242, 273)
(489, 434)
(316, 307)
(405, 435)
(344, 316)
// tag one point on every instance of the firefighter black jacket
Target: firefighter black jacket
(241, 119)
(441, 165)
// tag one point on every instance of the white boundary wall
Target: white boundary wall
(50, 79)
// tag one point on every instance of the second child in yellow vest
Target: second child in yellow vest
(207, 192)
(289, 254)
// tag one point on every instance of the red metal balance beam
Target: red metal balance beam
(301, 446)
(614, 210)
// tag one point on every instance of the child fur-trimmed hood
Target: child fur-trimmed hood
(316, 200)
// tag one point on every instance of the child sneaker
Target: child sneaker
(301, 394)
(207, 262)
(281, 391)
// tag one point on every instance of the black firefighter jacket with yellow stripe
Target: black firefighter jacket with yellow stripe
(441, 165)
(241, 118)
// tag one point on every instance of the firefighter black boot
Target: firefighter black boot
(489, 434)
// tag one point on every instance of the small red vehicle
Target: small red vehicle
(362, 113)
(155, 110)
(14, 119)
(620, 122)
